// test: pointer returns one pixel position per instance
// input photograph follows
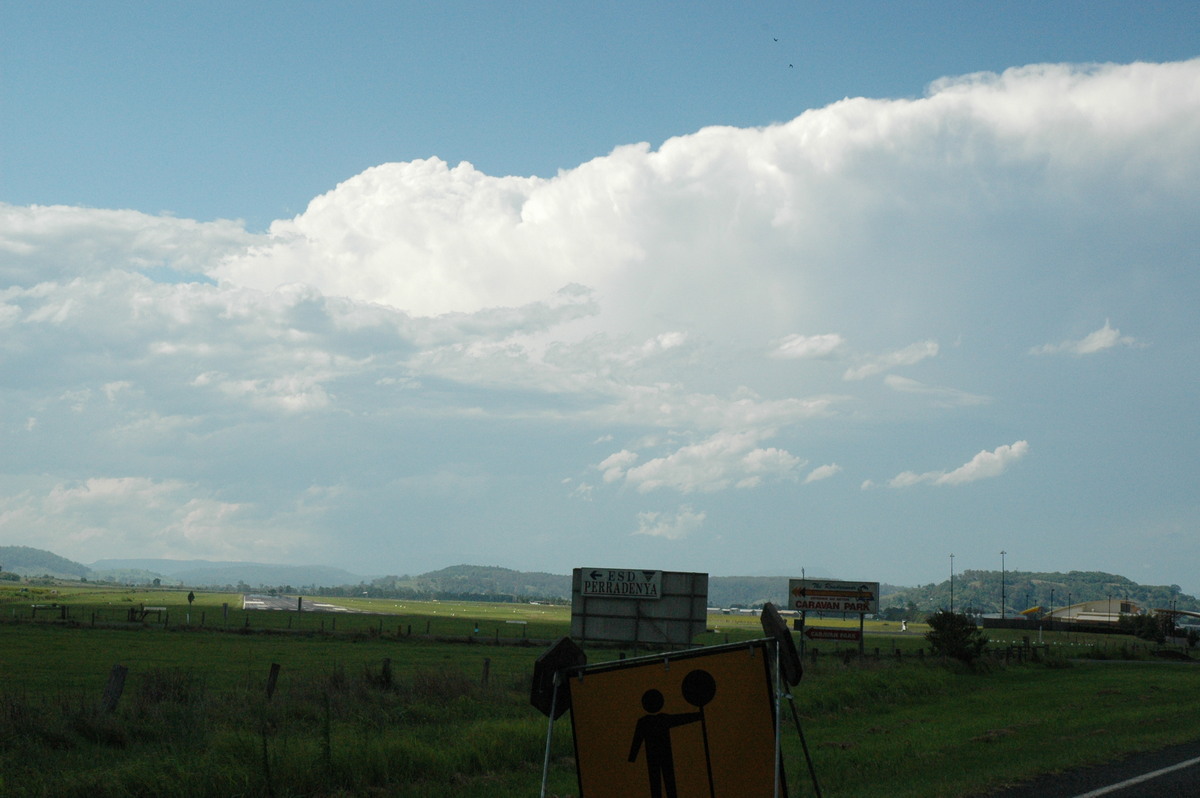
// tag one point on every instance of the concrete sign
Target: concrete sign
(827, 595)
(700, 723)
(621, 583)
(634, 605)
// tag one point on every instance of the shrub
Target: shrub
(954, 635)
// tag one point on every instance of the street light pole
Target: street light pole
(1002, 553)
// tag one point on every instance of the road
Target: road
(288, 603)
(1170, 773)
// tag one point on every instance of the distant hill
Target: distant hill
(206, 573)
(981, 591)
(28, 561)
(973, 590)
(466, 581)
(478, 581)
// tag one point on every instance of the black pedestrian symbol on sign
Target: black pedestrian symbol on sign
(654, 731)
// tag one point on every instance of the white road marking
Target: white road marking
(1139, 779)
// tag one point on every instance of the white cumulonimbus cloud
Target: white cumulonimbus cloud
(982, 466)
(676, 303)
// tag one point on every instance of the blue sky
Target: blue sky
(392, 287)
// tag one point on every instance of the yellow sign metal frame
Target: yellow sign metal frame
(695, 724)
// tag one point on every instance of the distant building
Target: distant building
(1108, 611)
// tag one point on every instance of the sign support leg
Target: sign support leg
(550, 732)
(778, 719)
(812, 772)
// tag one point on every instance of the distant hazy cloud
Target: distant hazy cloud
(982, 466)
(908, 356)
(723, 460)
(1105, 338)
(155, 518)
(805, 346)
(46, 243)
(944, 397)
(674, 526)
(822, 472)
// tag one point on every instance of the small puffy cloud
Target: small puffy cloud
(796, 347)
(909, 355)
(669, 526)
(614, 466)
(1105, 338)
(822, 472)
(941, 397)
(982, 466)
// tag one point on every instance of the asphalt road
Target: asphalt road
(1170, 773)
(288, 603)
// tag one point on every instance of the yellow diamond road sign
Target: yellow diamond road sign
(695, 725)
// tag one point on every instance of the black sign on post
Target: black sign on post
(549, 693)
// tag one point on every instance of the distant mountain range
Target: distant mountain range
(459, 581)
(978, 590)
(30, 562)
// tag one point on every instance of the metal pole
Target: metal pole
(1002, 553)
(952, 582)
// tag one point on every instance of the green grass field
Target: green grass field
(365, 707)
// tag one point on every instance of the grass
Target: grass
(915, 730)
(105, 605)
(195, 719)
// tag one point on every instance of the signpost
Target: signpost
(827, 595)
(830, 595)
(636, 605)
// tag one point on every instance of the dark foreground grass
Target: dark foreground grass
(195, 719)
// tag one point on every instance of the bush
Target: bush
(954, 635)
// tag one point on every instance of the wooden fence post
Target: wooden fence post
(487, 667)
(114, 688)
(272, 678)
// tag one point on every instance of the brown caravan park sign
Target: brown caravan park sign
(828, 595)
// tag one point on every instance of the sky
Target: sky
(746, 289)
